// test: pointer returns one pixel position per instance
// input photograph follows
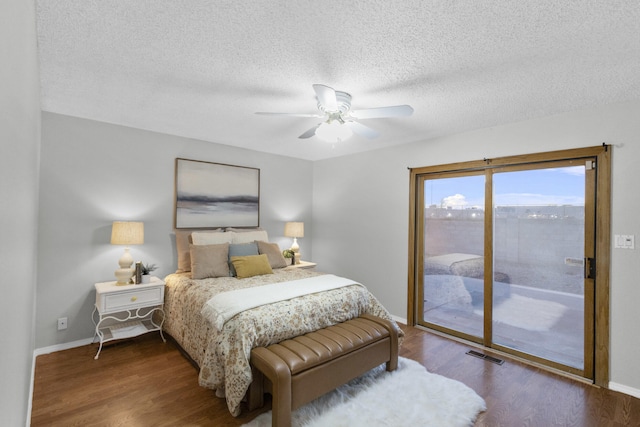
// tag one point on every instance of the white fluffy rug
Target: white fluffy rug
(408, 396)
(528, 313)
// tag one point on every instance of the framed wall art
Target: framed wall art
(212, 195)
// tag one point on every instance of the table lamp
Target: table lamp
(126, 233)
(295, 230)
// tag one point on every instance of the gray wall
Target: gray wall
(19, 145)
(93, 173)
(360, 209)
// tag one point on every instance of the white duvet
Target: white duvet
(223, 306)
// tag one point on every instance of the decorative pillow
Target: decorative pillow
(252, 265)
(207, 238)
(183, 250)
(249, 236)
(209, 261)
(242, 249)
(273, 253)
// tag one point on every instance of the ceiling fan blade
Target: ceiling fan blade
(310, 132)
(326, 96)
(289, 114)
(383, 112)
(362, 130)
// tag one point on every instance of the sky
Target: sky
(553, 186)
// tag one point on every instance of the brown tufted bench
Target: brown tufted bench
(298, 370)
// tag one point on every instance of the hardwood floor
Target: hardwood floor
(144, 382)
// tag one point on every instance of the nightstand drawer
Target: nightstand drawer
(125, 300)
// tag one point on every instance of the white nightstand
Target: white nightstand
(127, 311)
(303, 264)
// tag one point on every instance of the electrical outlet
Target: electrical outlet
(62, 323)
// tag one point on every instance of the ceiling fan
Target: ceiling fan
(339, 122)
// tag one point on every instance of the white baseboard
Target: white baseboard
(60, 347)
(624, 389)
(399, 319)
(30, 401)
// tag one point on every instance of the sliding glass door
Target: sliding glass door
(505, 256)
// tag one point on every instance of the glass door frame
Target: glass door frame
(596, 360)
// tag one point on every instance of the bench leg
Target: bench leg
(279, 374)
(281, 407)
(255, 397)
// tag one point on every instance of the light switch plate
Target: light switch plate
(624, 241)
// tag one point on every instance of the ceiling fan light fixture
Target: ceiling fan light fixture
(339, 121)
(333, 132)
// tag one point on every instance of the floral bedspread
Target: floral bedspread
(223, 356)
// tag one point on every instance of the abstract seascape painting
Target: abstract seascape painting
(212, 195)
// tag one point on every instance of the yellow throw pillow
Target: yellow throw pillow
(251, 265)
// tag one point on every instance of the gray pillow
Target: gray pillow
(240, 249)
(273, 253)
(209, 261)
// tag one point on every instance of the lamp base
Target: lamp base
(123, 275)
(295, 247)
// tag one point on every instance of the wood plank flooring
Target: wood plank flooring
(145, 382)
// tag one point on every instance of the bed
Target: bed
(222, 349)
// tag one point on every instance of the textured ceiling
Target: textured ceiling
(201, 68)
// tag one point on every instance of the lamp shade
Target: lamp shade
(127, 233)
(294, 229)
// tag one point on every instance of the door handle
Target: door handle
(589, 268)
